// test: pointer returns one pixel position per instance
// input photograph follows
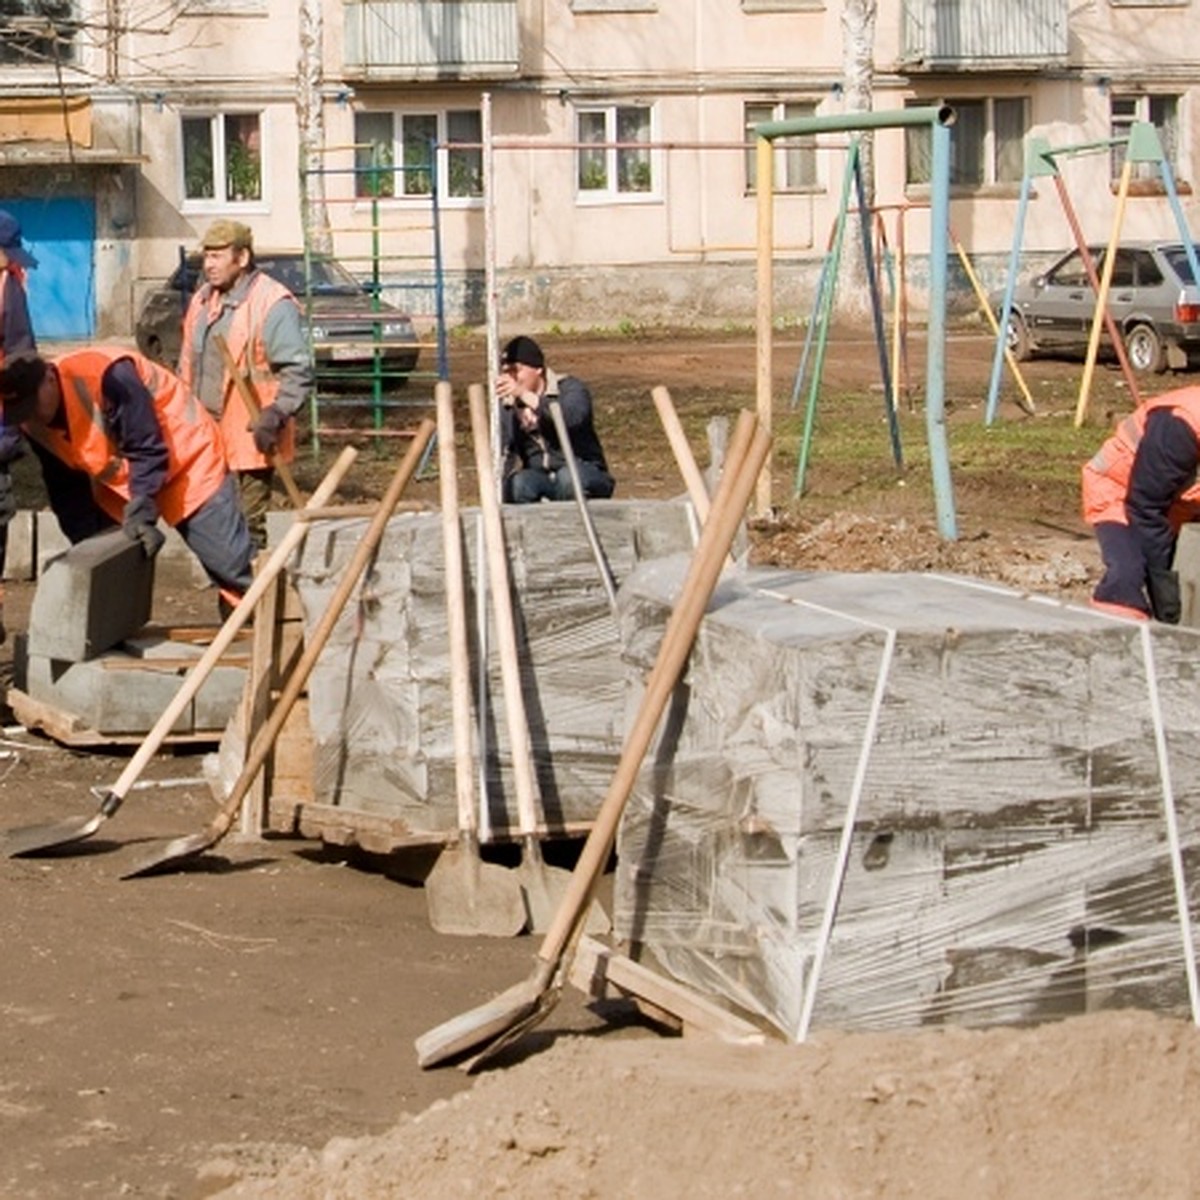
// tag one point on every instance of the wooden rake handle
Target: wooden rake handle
(249, 394)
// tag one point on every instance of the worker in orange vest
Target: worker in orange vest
(1138, 490)
(145, 448)
(262, 324)
(16, 337)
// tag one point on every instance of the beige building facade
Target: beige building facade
(597, 153)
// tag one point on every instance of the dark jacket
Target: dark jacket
(539, 447)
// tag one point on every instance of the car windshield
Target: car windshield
(326, 277)
(1177, 257)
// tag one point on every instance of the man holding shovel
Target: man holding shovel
(125, 443)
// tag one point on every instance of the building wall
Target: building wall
(562, 258)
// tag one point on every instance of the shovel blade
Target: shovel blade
(31, 839)
(474, 1030)
(468, 897)
(170, 853)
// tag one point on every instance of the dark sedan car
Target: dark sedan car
(356, 337)
(1152, 297)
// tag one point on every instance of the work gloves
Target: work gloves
(140, 524)
(1165, 602)
(267, 429)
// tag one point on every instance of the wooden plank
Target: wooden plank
(68, 729)
(372, 832)
(599, 971)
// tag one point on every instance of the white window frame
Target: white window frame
(783, 149)
(441, 117)
(989, 147)
(611, 192)
(47, 63)
(1119, 125)
(217, 202)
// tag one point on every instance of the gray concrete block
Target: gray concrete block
(104, 694)
(379, 703)
(988, 758)
(1187, 563)
(49, 541)
(90, 598)
(218, 699)
(19, 559)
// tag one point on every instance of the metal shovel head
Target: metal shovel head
(31, 839)
(543, 888)
(467, 896)
(510, 1012)
(170, 853)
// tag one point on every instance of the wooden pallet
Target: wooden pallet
(69, 729)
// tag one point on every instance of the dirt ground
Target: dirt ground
(247, 1022)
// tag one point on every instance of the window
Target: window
(394, 154)
(1159, 111)
(795, 157)
(614, 156)
(38, 32)
(987, 143)
(222, 158)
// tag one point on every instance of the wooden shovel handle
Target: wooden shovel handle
(249, 394)
(692, 479)
(315, 642)
(506, 631)
(195, 678)
(747, 453)
(456, 612)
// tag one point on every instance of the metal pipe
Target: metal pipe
(940, 116)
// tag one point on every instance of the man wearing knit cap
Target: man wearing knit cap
(535, 467)
(262, 323)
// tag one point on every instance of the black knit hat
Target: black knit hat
(20, 379)
(523, 350)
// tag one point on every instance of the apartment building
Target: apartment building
(609, 138)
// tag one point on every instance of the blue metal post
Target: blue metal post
(935, 382)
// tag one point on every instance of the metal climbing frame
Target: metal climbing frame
(361, 389)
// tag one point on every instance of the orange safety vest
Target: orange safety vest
(245, 342)
(195, 460)
(1106, 475)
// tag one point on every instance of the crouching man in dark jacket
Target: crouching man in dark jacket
(535, 467)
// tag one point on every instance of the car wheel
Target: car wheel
(1017, 338)
(1147, 354)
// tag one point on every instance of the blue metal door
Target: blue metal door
(60, 233)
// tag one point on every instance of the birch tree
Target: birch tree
(858, 69)
(310, 117)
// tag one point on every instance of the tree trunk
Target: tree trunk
(858, 67)
(310, 116)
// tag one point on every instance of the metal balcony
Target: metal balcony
(428, 39)
(984, 34)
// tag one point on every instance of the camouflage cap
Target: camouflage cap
(227, 233)
(20, 379)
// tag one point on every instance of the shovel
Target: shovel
(589, 527)
(182, 848)
(493, 1025)
(33, 838)
(542, 885)
(464, 894)
(249, 394)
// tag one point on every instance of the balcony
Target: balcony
(431, 39)
(991, 35)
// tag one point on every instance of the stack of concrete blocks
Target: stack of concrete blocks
(88, 655)
(885, 801)
(379, 696)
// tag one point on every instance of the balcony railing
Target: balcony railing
(989, 34)
(399, 39)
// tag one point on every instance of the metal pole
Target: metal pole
(935, 374)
